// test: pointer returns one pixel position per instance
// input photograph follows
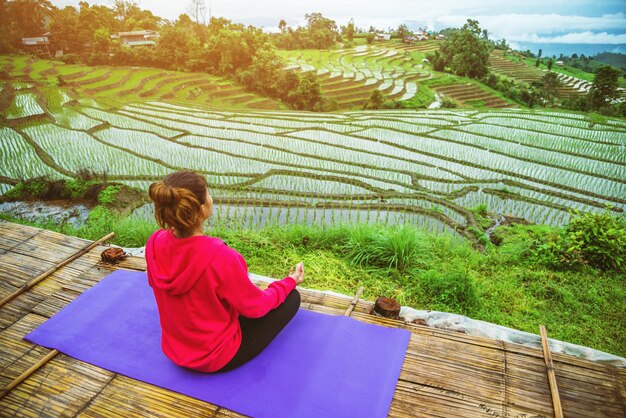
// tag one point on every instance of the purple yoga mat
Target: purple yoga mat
(318, 366)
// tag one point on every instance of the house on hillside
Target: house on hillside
(37, 43)
(416, 37)
(137, 38)
(559, 63)
(382, 37)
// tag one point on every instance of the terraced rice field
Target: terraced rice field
(128, 83)
(350, 75)
(472, 95)
(583, 86)
(424, 167)
(520, 71)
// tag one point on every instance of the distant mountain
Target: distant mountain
(616, 60)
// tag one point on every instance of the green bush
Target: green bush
(16, 192)
(591, 239)
(482, 216)
(77, 188)
(107, 195)
(37, 187)
(447, 103)
(550, 249)
(450, 291)
(599, 239)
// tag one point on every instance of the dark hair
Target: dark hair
(178, 200)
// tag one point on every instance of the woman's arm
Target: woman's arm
(236, 288)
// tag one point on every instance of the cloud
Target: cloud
(548, 28)
(517, 24)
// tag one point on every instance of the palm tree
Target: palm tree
(30, 17)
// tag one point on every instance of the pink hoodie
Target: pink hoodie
(201, 287)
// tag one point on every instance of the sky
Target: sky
(520, 22)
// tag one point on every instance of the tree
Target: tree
(27, 17)
(464, 51)
(315, 21)
(402, 31)
(102, 40)
(538, 58)
(101, 45)
(122, 8)
(550, 83)
(604, 88)
(350, 30)
(502, 45)
(197, 11)
(63, 27)
(549, 64)
(5, 30)
(263, 74)
(375, 101)
(90, 19)
(282, 25)
(307, 95)
(370, 38)
(175, 47)
(321, 31)
(138, 19)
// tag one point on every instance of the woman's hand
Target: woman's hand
(298, 273)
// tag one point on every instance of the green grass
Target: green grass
(422, 98)
(116, 75)
(40, 66)
(93, 72)
(503, 285)
(444, 79)
(19, 63)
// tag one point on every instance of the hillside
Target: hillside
(124, 84)
(611, 58)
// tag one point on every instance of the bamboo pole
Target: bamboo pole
(547, 356)
(27, 373)
(51, 270)
(355, 299)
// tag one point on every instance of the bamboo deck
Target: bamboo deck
(445, 374)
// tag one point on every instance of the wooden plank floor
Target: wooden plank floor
(445, 373)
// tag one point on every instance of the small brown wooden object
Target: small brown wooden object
(387, 307)
(113, 255)
(554, 390)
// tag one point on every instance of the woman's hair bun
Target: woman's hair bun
(178, 200)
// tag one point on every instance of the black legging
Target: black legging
(258, 333)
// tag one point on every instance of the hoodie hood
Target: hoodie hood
(175, 264)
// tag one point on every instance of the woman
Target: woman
(212, 317)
